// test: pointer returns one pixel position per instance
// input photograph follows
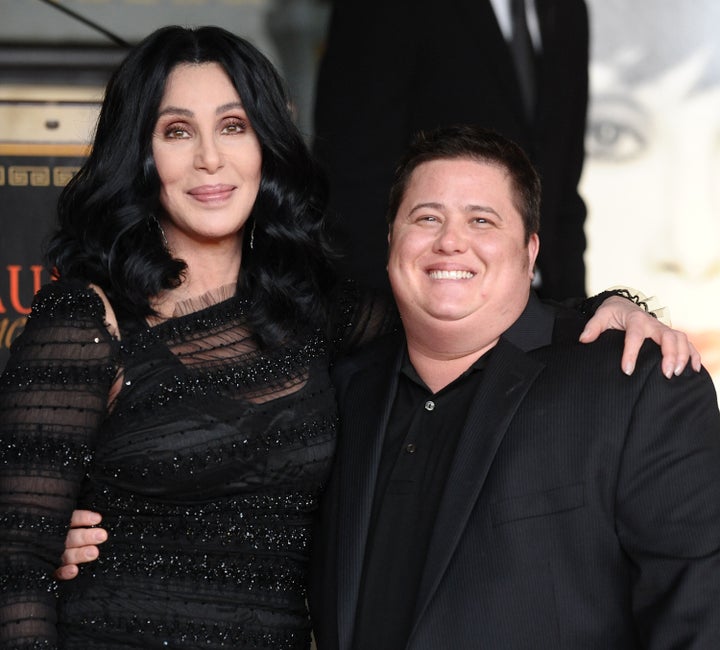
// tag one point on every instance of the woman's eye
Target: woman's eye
(176, 132)
(234, 126)
(611, 140)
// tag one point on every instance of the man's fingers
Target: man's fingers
(85, 518)
(74, 556)
(67, 572)
(81, 537)
(80, 547)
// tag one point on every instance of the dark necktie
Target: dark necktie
(524, 54)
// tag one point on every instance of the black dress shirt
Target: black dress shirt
(418, 452)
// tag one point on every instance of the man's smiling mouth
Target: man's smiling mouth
(451, 275)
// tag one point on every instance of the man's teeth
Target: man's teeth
(451, 275)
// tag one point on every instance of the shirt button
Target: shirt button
(410, 448)
(429, 405)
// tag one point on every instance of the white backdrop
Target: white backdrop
(652, 172)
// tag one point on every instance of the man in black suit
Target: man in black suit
(393, 67)
(496, 483)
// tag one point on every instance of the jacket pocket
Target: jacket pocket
(538, 504)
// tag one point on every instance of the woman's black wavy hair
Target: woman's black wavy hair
(107, 234)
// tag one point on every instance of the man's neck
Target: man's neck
(441, 351)
(439, 372)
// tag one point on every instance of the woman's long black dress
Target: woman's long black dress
(205, 455)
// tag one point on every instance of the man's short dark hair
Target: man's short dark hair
(481, 145)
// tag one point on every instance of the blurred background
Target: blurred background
(652, 171)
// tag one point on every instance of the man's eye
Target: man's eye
(611, 140)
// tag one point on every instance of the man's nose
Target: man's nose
(451, 238)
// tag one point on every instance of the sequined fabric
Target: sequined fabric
(205, 455)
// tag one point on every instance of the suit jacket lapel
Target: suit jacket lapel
(508, 376)
(366, 407)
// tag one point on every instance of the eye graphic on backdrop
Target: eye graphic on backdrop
(653, 159)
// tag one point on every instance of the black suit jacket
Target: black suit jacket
(393, 67)
(582, 509)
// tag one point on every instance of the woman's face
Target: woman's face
(208, 158)
(652, 185)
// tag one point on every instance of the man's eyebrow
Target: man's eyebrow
(428, 204)
(435, 205)
(482, 208)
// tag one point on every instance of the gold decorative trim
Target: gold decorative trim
(44, 149)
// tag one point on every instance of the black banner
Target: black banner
(31, 178)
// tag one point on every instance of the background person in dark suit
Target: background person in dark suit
(391, 68)
(495, 483)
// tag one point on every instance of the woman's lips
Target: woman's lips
(211, 193)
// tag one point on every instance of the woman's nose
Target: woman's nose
(208, 155)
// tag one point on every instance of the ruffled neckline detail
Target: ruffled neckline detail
(210, 298)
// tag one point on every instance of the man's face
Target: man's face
(457, 247)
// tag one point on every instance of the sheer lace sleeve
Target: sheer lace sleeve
(361, 316)
(53, 396)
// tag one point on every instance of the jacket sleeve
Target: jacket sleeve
(53, 397)
(668, 511)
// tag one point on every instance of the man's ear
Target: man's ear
(533, 249)
(389, 242)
